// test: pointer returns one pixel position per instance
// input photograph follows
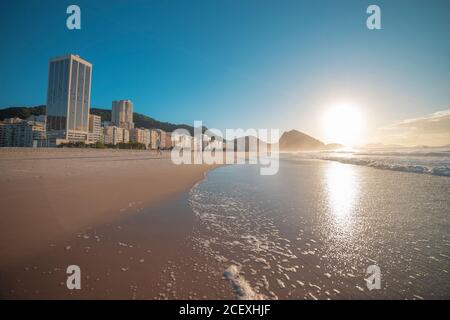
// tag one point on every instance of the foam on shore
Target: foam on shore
(432, 161)
(241, 287)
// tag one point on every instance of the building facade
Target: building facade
(115, 135)
(68, 98)
(162, 138)
(147, 138)
(140, 136)
(95, 128)
(16, 132)
(122, 114)
(126, 135)
(168, 143)
(181, 140)
(154, 136)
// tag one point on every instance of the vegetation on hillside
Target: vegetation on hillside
(140, 120)
(21, 112)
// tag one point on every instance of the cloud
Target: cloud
(432, 130)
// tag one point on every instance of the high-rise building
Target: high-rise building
(68, 98)
(95, 128)
(122, 114)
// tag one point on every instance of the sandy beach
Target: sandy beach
(140, 227)
(59, 204)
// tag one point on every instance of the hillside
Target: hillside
(295, 141)
(141, 121)
(290, 141)
(21, 112)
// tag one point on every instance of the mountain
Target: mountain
(140, 120)
(21, 112)
(143, 121)
(296, 141)
(290, 141)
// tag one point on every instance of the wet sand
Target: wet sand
(146, 255)
(104, 210)
(309, 232)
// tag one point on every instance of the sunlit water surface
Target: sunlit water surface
(311, 231)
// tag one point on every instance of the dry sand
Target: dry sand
(104, 210)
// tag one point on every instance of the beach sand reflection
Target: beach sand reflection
(342, 189)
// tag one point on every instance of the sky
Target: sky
(430, 130)
(238, 63)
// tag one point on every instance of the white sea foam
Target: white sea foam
(433, 161)
(383, 164)
(249, 241)
(282, 237)
(241, 287)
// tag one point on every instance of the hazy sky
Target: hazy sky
(238, 63)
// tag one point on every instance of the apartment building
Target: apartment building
(95, 129)
(140, 135)
(16, 132)
(122, 114)
(68, 99)
(115, 135)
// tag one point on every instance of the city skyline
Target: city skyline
(68, 117)
(283, 77)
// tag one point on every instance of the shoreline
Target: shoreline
(229, 234)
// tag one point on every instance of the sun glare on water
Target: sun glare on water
(343, 123)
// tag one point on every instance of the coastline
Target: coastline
(235, 233)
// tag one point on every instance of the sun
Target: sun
(343, 123)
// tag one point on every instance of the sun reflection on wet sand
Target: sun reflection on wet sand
(342, 190)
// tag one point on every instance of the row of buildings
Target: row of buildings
(113, 134)
(16, 132)
(68, 117)
(32, 132)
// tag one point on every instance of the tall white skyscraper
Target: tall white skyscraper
(68, 98)
(122, 114)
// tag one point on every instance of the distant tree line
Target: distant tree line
(101, 145)
(21, 112)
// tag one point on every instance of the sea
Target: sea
(348, 224)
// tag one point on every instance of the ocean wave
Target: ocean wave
(242, 238)
(411, 152)
(442, 170)
(405, 153)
